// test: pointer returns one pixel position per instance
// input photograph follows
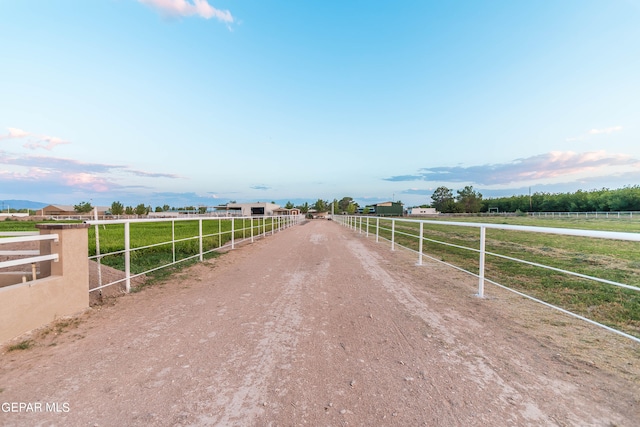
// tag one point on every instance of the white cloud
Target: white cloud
(189, 8)
(15, 133)
(605, 130)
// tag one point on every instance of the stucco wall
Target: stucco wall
(29, 305)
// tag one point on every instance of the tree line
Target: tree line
(443, 199)
(469, 200)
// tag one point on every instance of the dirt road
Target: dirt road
(317, 325)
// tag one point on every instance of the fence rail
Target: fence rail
(413, 231)
(32, 256)
(22, 237)
(230, 231)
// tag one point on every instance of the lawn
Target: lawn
(613, 260)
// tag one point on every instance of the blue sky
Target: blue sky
(201, 102)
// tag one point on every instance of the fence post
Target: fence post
(233, 231)
(367, 233)
(420, 244)
(251, 229)
(377, 229)
(393, 234)
(200, 238)
(173, 239)
(483, 235)
(127, 256)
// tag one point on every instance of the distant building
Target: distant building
(389, 209)
(284, 211)
(249, 209)
(422, 211)
(371, 210)
(67, 210)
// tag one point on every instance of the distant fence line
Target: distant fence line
(386, 229)
(570, 214)
(593, 214)
(241, 229)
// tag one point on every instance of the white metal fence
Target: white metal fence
(594, 214)
(387, 229)
(21, 257)
(229, 232)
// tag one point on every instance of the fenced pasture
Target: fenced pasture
(590, 273)
(140, 247)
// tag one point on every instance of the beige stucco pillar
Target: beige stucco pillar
(63, 289)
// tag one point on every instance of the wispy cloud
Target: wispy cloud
(72, 174)
(605, 130)
(36, 141)
(260, 187)
(602, 131)
(547, 166)
(15, 133)
(47, 142)
(177, 8)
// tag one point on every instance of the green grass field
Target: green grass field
(151, 238)
(612, 260)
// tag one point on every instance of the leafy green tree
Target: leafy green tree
(165, 208)
(344, 203)
(304, 208)
(443, 200)
(158, 209)
(202, 210)
(469, 200)
(366, 210)
(351, 208)
(289, 205)
(321, 205)
(141, 209)
(128, 210)
(117, 208)
(83, 207)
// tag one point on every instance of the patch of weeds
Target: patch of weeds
(23, 345)
(61, 325)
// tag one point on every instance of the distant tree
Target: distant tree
(366, 210)
(304, 208)
(321, 205)
(469, 200)
(351, 208)
(165, 208)
(443, 200)
(190, 208)
(83, 207)
(158, 209)
(128, 210)
(344, 203)
(202, 210)
(117, 208)
(141, 209)
(289, 205)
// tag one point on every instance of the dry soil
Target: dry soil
(318, 325)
